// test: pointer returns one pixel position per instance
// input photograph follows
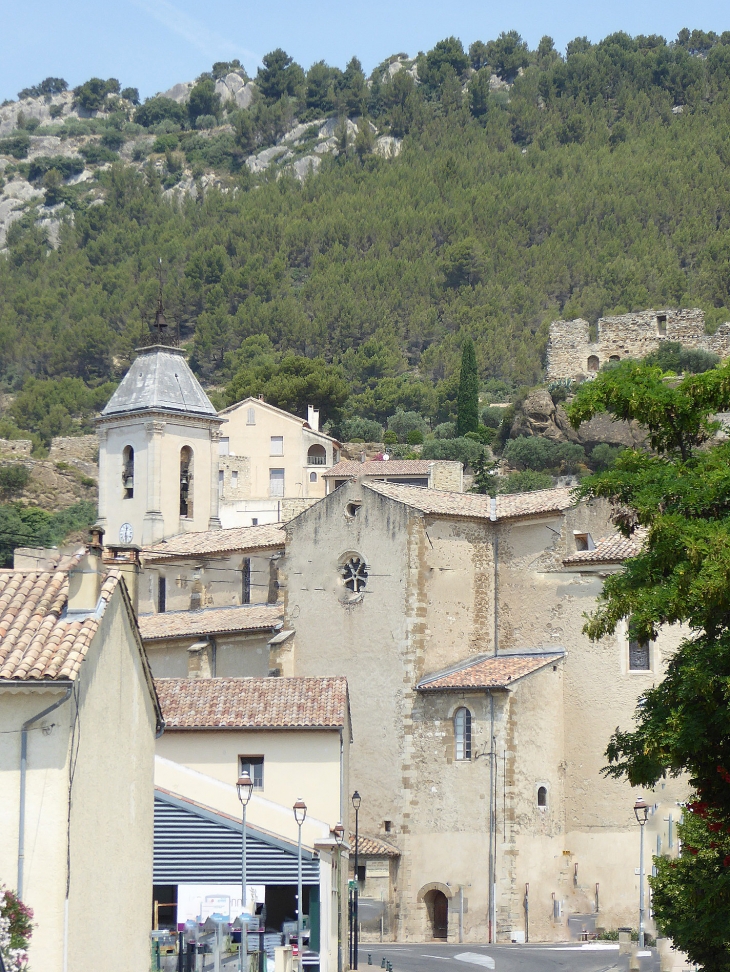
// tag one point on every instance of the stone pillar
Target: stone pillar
(153, 528)
(214, 520)
(103, 473)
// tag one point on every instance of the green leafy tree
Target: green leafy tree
(526, 481)
(678, 494)
(160, 109)
(49, 86)
(131, 94)
(459, 449)
(403, 423)
(279, 76)
(446, 60)
(293, 384)
(479, 92)
(485, 478)
(467, 404)
(478, 55)
(463, 263)
(507, 54)
(204, 100)
(14, 477)
(93, 93)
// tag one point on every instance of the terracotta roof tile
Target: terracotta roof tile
(475, 506)
(236, 539)
(221, 620)
(487, 671)
(253, 703)
(380, 467)
(608, 550)
(37, 639)
(372, 846)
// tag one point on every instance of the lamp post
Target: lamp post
(300, 812)
(641, 811)
(356, 804)
(338, 832)
(245, 789)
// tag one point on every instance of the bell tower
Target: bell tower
(158, 452)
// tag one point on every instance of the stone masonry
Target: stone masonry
(572, 354)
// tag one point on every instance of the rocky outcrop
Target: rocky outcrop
(540, 416)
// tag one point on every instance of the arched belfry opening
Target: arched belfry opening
(186, 482)
(128, 472)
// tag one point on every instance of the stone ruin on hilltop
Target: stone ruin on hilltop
(574, 352)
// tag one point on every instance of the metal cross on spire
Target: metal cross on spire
(160, 321)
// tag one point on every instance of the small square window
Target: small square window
(234, 479)
(251, 416)
(661, 325)
(583, 541)
(387, 825)
(639, 656)
(277, 445)
(224, 446)
(254, 766)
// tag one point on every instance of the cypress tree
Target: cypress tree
(467, 403)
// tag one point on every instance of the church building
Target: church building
(158, 453)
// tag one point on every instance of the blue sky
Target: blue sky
(151, 44)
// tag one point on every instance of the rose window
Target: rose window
(355, 574)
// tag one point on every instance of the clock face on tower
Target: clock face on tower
(126, 533)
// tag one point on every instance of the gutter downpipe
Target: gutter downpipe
(492, 751)
(23, 772)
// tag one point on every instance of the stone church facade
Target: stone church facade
(480, 711)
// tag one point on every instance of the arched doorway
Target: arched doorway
(437, 906)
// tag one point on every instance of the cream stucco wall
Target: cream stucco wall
(205, 581)
(203, 765)
(154, 510)
(254, 442)
(430, 602)
(46, 811)
(228, 656)
(110, 834)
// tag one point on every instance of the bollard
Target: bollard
(180, 953)
(370, 958)
(382, 962)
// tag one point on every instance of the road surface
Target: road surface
(433, 957)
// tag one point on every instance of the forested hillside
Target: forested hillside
(529, 187)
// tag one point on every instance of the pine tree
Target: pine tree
(467, 403)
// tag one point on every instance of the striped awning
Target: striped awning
(195, 845)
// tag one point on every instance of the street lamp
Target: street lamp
(245, 789)
(300, 812)
(641, 811)
(356, 804)
(338, 832)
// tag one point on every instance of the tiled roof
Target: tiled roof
(372, 846)
(260, 403)
(253, 703)
(609, 550)
(487, 671)
(209, 542)
(37, 640)
(221, 620)
(379, 467)
(475, 506)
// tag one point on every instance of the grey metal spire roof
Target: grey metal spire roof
(160, 380)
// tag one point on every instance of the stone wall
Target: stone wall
(15, 447)
(64, 448)
(572, 354)
(238, 486)
(448, 475)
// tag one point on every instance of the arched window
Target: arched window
(186, 481)
(542, 796)
(128, 472)
(317, 456)
(313, 477)
(593, 363)
(462, 733)
(615, 358)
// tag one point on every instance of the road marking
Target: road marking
(475, 959)
(642, 954)
(445, 958)
(589, 947)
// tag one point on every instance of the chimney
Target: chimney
(84, 583)
(313, 418)
(126, 559)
